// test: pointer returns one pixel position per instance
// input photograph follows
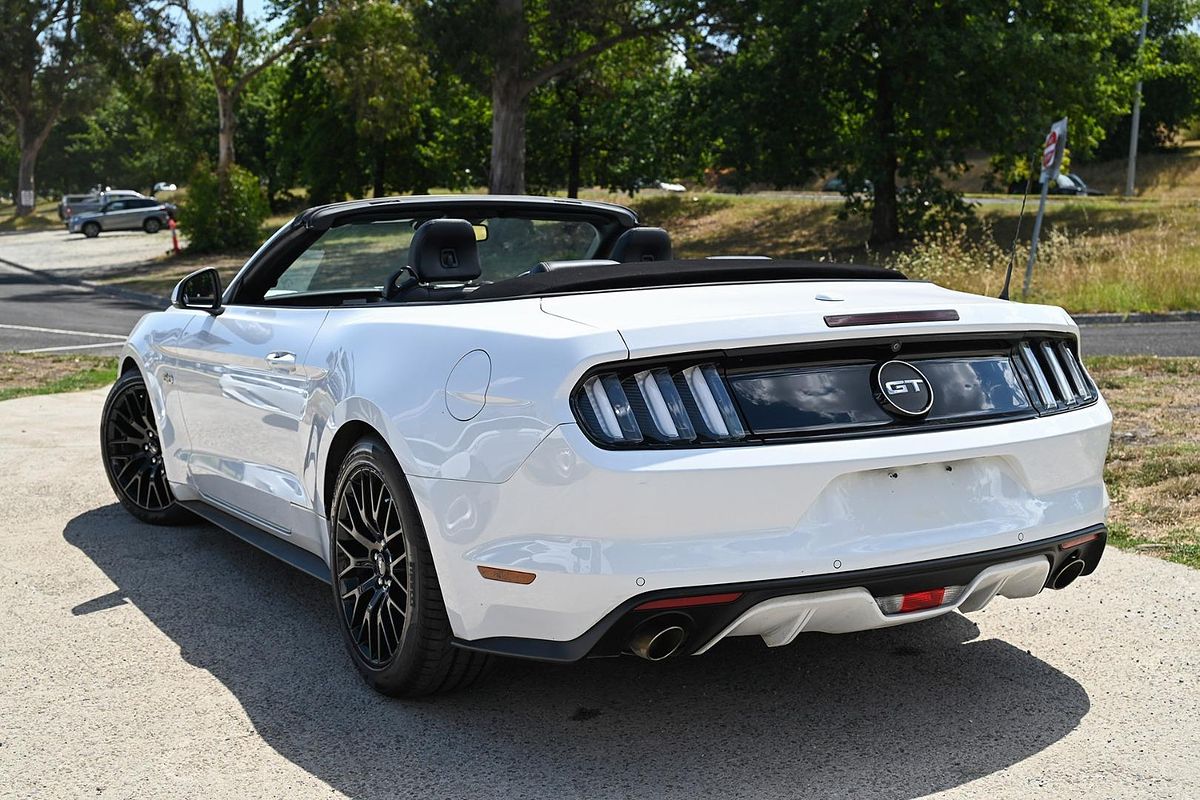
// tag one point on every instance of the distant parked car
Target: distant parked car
(125, 214)
(164, 186)
(836, 184)
(94, 202)
(1068, 184)
(71, 201)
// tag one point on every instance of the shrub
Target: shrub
(213, 222)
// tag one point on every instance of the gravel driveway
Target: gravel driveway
(65, 254)
(143, 662)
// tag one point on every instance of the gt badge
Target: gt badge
(903, 389)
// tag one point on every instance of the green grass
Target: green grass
(1153, 469)
(44, 217)
(22, 375)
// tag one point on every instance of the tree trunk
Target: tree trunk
(377, 187)
(510, 99)
(510, 102)
(885, 218)
(227, 127)
(30, 143)
(574, 155)
(26, 190)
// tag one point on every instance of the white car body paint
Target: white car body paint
(507, 478)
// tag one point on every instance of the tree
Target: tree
(234, 49)
(1171, 74)
(40, 49)
(614, 121)
(892, 93)
(516, 59)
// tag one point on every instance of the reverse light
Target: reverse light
(918, 601)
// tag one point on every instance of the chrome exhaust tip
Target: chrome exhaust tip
(654, 643)
(1067, 575)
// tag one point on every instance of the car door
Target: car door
(244, 391)
(116, 216)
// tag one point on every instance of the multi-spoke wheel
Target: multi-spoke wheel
(132, 451)
(384, 585)
(371, 565)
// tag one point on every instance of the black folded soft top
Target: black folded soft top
(652, 274)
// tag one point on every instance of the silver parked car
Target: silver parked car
(126, 214)
(74, 204)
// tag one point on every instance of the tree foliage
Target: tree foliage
(222, 218)
(895, 93)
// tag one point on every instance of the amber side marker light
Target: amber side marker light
(688, 602)
(1070, 544)
(506, 575)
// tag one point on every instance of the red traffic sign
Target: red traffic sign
(1049, 150)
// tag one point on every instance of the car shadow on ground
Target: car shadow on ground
(894, 713)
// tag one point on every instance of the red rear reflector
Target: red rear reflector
(1070, 544)
(916, 601)
(685, 602)
(890, 317)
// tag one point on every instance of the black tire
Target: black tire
(152, 225)
(129, 445)
(381, 561)
(91, 229)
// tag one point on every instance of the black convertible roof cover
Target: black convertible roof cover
(459, 205)
(649, 274)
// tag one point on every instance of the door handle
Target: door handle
(281, 359)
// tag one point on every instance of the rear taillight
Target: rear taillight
(660, 405)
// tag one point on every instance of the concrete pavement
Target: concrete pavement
(150, 662)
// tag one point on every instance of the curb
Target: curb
(142, 298)
(1139, 316)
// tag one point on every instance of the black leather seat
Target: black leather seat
(642, 244)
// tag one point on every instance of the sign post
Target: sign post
(1052, 156)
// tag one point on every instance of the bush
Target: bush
(232, 222)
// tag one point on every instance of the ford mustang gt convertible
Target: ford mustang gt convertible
(519, 426)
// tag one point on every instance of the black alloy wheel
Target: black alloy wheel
(133, 457)
(389, 603)
(370, 561)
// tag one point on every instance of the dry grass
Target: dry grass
(1153, 471)
(41, 373)
(1095, 255)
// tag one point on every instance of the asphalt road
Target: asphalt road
(150, 662)
(27, 302)
(38, 314)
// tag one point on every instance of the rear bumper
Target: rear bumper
(778, 611)
(599, 527)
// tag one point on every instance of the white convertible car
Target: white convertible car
(518, 426)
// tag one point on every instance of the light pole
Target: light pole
(1131, 171)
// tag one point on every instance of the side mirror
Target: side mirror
(200, 290)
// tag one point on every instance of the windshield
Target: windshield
(362, 256)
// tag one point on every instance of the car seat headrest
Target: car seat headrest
(642, 244)
(444, 251)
